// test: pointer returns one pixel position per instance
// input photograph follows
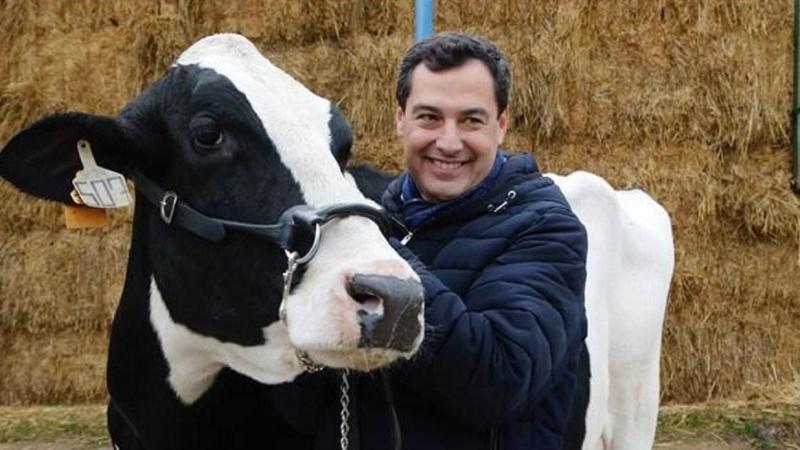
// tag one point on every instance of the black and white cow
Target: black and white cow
(226, 138)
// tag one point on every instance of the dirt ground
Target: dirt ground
(689, 427)
(714, 445)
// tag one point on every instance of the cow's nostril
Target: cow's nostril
(368, 302)
(389, 310)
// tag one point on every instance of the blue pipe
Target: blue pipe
(424, 13)
(796, 103)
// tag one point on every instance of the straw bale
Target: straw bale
(709, 71)
(63, 280)
(688, 99)
(84, 71)
(21, 213)
(282, 22)
(53, 367)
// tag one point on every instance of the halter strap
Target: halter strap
(300, 218)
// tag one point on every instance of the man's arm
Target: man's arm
(488, 363)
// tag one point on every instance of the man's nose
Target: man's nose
(449, 139)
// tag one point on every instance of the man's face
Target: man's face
(450, 129)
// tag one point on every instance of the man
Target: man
(502, 260)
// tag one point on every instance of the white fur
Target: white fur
(194, 360)
(629, 268)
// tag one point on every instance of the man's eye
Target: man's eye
(474, 121)
(426, 117)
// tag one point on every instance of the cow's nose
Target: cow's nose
(389, 310)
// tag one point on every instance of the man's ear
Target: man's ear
(42, 159)
(502, 123)
(399, 115)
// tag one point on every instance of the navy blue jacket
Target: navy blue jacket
(505, 323)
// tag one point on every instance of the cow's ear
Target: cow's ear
(341, 136)
(43, 159)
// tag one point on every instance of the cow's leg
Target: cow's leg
(633, 409)
(597, 342)
(636, 311)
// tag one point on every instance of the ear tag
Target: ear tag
(84, 217)
(98, 187)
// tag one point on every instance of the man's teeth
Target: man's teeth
(446, 165)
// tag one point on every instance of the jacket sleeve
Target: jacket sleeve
(489, 362)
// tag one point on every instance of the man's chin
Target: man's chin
(442, 192)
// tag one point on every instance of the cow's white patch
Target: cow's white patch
(194, 360)
(629, 268)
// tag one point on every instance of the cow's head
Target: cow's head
(238, 139)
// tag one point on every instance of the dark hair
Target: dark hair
(448, 50)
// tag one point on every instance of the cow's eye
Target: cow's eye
(207, 135)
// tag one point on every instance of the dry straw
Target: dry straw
(687, 99)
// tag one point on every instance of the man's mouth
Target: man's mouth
(446, 165)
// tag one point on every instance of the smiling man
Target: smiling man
(502, 258)
(451, 127)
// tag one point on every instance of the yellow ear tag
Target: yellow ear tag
(84, 217)
(98, 187)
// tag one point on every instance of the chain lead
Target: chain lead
(345, 402)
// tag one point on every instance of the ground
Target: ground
(710, 426)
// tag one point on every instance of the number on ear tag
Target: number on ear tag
(98, 187)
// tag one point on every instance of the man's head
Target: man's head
(452, 112)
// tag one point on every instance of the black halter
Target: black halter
(297, 227)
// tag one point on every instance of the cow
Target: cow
(253, 257)
(236, 138)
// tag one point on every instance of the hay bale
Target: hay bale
(54, 367)
(21, 213)
(686, 99)
(62, 280)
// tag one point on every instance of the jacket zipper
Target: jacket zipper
(511, 195)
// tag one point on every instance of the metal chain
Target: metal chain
(345, 402)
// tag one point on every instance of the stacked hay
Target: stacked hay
(687, 99)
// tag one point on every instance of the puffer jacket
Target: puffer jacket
(504, 278)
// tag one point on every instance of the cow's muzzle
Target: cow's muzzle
(389, 310)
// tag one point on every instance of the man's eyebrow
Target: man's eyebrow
(423, 107)
(475, 112)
